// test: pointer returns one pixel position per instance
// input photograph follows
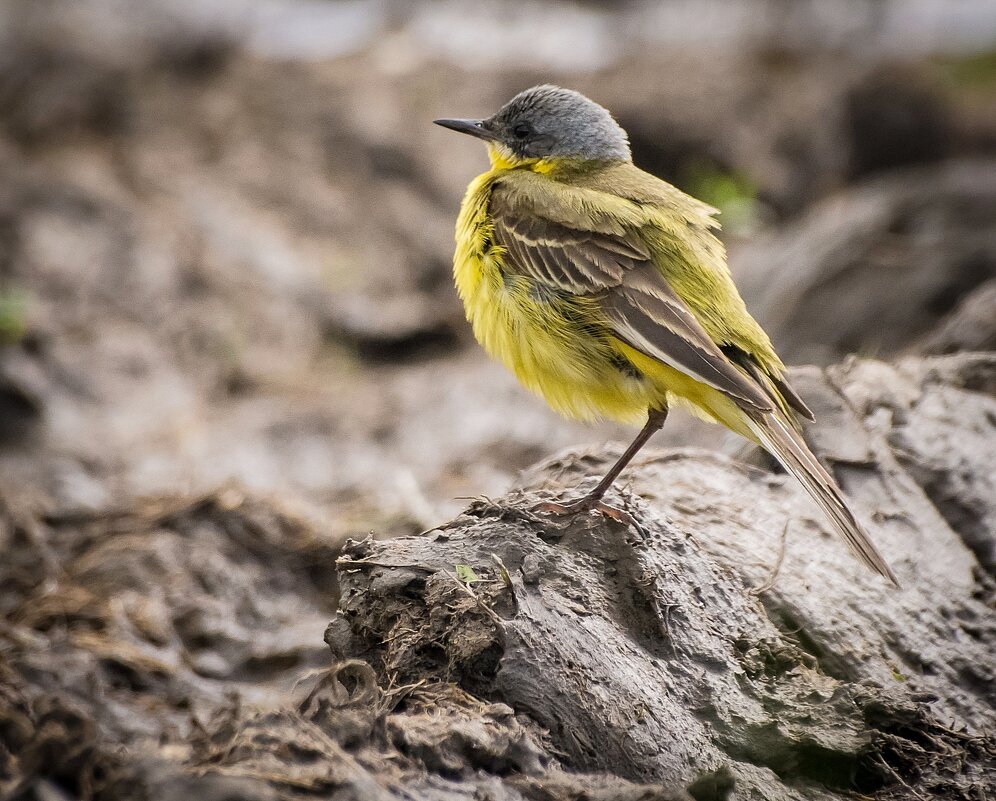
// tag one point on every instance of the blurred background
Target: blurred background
(226, 225)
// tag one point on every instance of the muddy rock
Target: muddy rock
(893, 117)
(880, 267)
(729, 648)
(174, 650)
(733, 633)
(970, 326)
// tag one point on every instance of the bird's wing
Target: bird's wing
(569, 258)
(574, 249)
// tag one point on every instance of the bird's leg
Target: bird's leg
(593, 500)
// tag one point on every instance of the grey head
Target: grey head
(549, 121)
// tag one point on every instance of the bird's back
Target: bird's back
(680, 232)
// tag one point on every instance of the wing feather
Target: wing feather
(651, 318)
(573, 259)
(617, 270)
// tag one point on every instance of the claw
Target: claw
(589, 504)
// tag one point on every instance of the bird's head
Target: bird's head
(546, 125)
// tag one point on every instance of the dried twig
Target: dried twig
(772, 577)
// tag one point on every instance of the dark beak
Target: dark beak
(472, 127)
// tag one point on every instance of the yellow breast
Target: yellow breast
(555, 344)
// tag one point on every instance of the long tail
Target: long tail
(788, 447)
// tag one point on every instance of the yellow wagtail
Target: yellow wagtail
(605, 290)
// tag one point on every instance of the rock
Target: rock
(170, 651)
(875, 268)
(20, 410)
(732, 647)
(894, 117)
(970, 326)
(735, 633)
(944, 437)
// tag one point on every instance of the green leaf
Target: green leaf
(466, 574)
(13, 322)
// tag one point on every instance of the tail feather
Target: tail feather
(788, 447)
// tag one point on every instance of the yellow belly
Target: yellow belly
(558, 346)
(553, 345)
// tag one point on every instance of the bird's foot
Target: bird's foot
(588, 504)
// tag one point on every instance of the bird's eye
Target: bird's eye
(521, 131)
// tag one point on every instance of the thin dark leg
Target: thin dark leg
(655, 421)
(593, 500)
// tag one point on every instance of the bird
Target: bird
(606, 290)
